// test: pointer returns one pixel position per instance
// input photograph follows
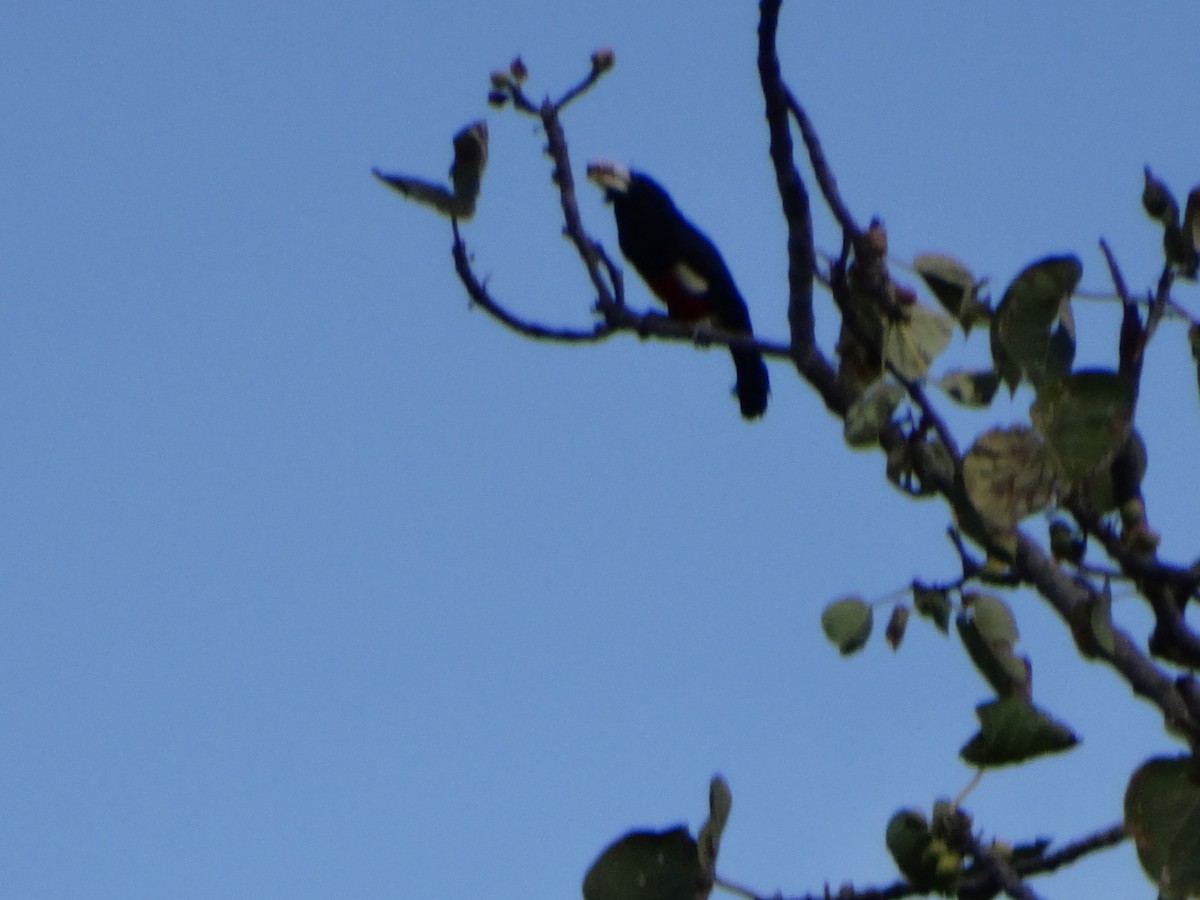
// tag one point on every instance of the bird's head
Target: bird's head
(612, 177)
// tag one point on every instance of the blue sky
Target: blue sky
(317, 583)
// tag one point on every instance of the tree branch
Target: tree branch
(823, 171)
(812, 364)
(589, 249)
(622, 319)
(1070, 597)
(999, 870)
(1101, 840)
(479, 294)
(983, 884)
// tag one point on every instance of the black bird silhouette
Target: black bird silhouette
(682, 267)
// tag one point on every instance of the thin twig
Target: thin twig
(1115, 272)
(599, 67)
(1101, 840)
(1161, 297)
(1131, 344)
(556, 147)
(649, 324)
(480, 295)
(822, 170)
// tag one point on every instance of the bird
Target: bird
(682, 268)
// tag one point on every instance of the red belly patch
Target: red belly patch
(684, 293)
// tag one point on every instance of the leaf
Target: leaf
(1158, 201)
(1189, 235)
(430, 194)
(647, 865)
(908, 840)
(993, 618)
(1085, 419)
(954, 286)
(933, 603)
(988, 631)
(969, 388)
(1092, 625)
(1023, 345)
(466, 173)
(1013, 730)
(470, 159)
(1194, 342)
(1162, 814)
(1101, 619)
(1008, 475)
(897, 623)
(847, 624)
(720, 802)
(911, 344)
(867, 415)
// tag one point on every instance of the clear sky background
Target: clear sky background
(316, 583)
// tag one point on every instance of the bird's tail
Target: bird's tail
(753, 385)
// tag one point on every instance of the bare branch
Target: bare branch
(589, 249)
(1162, 296)
(812, 364)
(1101, 840)
(822, 170)
(623, 319)
(1131, 341)
(481, 297)
(602, 61)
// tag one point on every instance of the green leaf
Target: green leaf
(973, 389)
(950, 281)
(912, 344)
(1107, 488)
(897, 623)
(1189, 236)
(955, 288)
(1101, 620)
(437, 196)
(647, 865)
(1191, 218)
(1194, 342)
(1085, 419)
(867, 415)
(1023, 343)
(1008, 475)
(1158, 201)
(933, 603)
(720, 803)
(908, 840)
(993, 618)
(1162, 815)
(1013, 730)
(988, 631)
(466, 173)
(847, 624)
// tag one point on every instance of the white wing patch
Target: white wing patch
(691, 280)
